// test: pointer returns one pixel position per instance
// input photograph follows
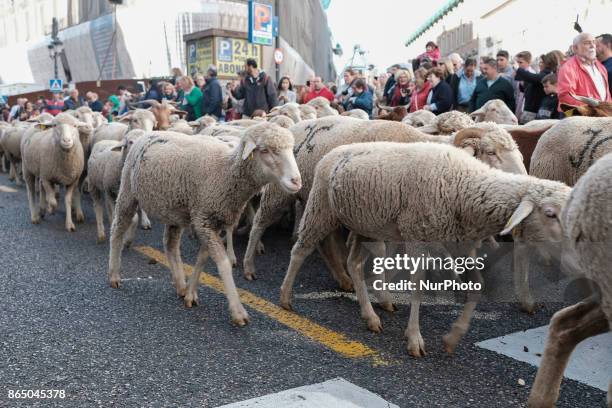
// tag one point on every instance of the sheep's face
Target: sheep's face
(65, 136)
(501, 157)
(86, 116)
(495, 111)
(272, 147)
(538, 219)
(140, 119)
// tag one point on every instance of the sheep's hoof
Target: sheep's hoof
(374, 324)
(181, 291)
(80, 217)
(388, 306)
(191, 299)
(250, 276)
(528, 306)
(101, 238)
(346, 285)
(240, 317)
(70, 227)
(35, 220)
(286, 305)
(450, 343)
(416, 345)
(115, 284)
(233, 261)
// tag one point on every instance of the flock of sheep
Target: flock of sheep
(447, 178)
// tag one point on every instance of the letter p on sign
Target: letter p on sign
(262, 17)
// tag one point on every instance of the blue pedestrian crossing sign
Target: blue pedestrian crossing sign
(55, 85)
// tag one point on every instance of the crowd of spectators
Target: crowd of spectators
(539, 88)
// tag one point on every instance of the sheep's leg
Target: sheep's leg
(31, 189)
(334, 254)
(229, 239)
(568, 327)
(110, 205)
(172, 243)
(131, 232)
(50, 195)
(124, 211)
(520, 266)
(76, 202)
(42, 200)
(12, 170)
(356, 259)
(145, 223)
(317, 223)
(299, 211)
(416, 344)
(68, 203)
(379, 250)
(211, 239)
(249, 213)
(191, 297)
(99, 212)
(268, 213)
(3, 161)
(461, 325)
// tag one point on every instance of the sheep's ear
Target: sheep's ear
(249, 146)
(522, 211)
(118, 148)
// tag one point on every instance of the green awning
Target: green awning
(444, 10)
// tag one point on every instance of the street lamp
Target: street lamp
(56, 46)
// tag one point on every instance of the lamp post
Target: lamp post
(56, 46)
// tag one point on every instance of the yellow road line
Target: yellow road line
(329, 338)
(6, 189)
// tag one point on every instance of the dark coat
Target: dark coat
(533, 88)
(213, 97)
(96, 105)
(258, 93)
(388, 86)
(500, 89)
(453, 81)
(442, 97)
(362, 101)
(72, 104)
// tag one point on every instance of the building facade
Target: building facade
(145, 38)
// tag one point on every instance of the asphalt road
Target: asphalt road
(63, 327)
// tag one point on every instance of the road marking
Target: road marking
(590, 363)
(331, 339)
(6, 189)
(329, 394)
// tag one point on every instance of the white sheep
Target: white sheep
(181, 126)
(308, 112)
(322, 106)
(104, 178)
(356, 113)
(400, 192)
(291, 110)
(282, 121)
(202, 123)
(419, 118)
(563, 153)
(495, 111)
(587, 224)
(10, 142)
(567, 150)
(137, 119)
(315, 138)
(448, 122)
(186, 181)
(53, 156)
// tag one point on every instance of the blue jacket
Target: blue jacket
(213, 97)
(441, 98)
(362, 101)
